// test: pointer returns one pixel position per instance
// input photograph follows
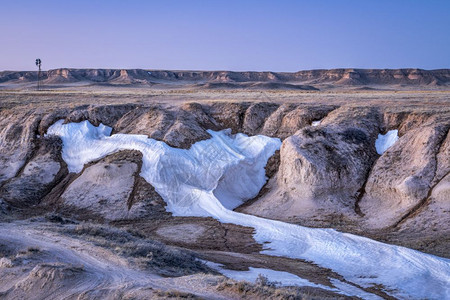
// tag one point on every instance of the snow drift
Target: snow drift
(218, 174)
(385, 141)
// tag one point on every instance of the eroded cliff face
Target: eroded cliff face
(31, 164)
(228, 79)
(404, 176)
(326, 175)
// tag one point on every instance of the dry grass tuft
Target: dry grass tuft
(146, 253)
(265, 289)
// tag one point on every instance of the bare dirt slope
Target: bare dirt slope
(59, 265)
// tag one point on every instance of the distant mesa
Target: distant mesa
(363, 79)
(256, 85)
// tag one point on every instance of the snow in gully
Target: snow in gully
(218, 174)
(385, 141)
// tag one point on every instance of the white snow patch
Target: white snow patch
(228, 169)
(149, 73)
(278, 277)
(316, 123)
(350, 290)
(289, 279)
(89, 138)
(385, 141)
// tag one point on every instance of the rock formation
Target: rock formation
(327, 175)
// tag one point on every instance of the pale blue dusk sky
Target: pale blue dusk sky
(225, 35)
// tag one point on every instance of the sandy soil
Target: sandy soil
(101, 273)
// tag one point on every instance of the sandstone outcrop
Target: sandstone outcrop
(17, 137)
(403, 176)
(102, 189)
(36, 176)
(322, 169)
(178, 128)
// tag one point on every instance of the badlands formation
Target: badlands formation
(336, 182)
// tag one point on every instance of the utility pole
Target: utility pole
(38, 63)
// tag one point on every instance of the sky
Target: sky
(225, 35)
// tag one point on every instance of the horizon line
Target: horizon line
(224, 70)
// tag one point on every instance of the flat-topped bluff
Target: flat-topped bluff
(230, 79)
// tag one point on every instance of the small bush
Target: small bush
(6, 263)
(29, 251)
(33, 249)
(264, 281)
(55, 218)
(176, 294)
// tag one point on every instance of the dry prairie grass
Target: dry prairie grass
(146, 253)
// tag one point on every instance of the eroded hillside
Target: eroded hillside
(327, 172)
(327, 175)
